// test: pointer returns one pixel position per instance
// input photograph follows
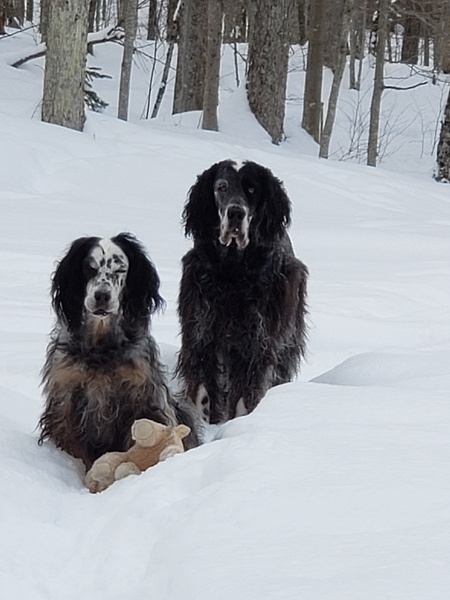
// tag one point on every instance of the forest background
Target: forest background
(184, 41)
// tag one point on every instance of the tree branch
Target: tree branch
(110, 34)
(410, 87)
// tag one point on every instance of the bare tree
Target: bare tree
(312, 100)
(152, 21)
(130, 16)
(63, 99)
(43, 20)
(3, 16)
(443, 150)
(411, 11)
(298, 22)
(12, 13)
(212, 75)
(357, 41)
(191, 61)
(378, 83)
(235, 21)
(268, 57)
(339, 62)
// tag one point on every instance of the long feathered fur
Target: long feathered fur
(242, 298)
(102, 373)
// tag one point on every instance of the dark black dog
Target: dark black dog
(242, 294)
(103, 370)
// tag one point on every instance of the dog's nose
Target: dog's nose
(236, 215)
(102, 297)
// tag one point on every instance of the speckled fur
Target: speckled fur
(103, 373)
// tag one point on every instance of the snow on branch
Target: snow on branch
(109, 34)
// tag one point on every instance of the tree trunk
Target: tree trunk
(43, 21)
(212, 75)
(152, 23)
(378, 84)
(63, 99)
(130, 21)
(332, 20)
(12, 13)
(164, 78)
(297, 34)
(443, 53)
(234, 21)
(268, 56)
(443, 150)
(191, 61)
(312, 100)
(3, 16)
(93, 7)
(357, 41)
(411, 32)
(29, 14)
(339, 61)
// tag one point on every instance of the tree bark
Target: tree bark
(130, 21)
(212, 75)
(234, 21)
(43, 21)
(191, 61)
(378, 84)
(312, 101)
(357, 41)
(411, 31)
(332, 20)
(3, 16)
(152, 23)
(443, 150)
(63, 99)
(164, 78)
(268, 57)
(339, 62)
(29, 14)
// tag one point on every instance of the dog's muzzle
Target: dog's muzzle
(234, 226)
(100, 301)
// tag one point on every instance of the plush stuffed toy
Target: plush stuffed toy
(154, 442)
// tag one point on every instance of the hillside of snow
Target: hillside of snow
(337, 486)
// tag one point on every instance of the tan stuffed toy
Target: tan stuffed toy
(154, 443)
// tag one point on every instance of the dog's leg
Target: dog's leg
(241, 409)
(202, 403)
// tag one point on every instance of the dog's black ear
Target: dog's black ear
(275, 208)
(200, 216)
(69, 283)
(141, 294)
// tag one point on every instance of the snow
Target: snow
(335, 488)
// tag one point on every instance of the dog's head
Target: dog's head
(234, 202)
(100, 278)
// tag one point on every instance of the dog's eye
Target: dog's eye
(251, 190)
(90, 271)
(222, 186)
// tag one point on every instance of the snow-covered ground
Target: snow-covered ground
(337, 487)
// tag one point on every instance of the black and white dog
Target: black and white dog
(103, 369)
(242, 299)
